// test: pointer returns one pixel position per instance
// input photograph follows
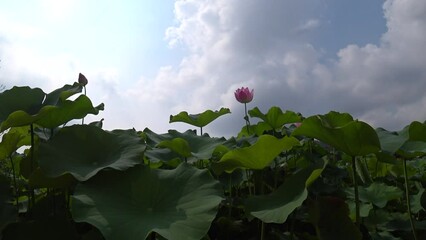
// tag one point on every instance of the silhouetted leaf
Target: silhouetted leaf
(200, 119)
(377, 193)
(177, 204)
(257, 156)
(84, 150)
(275, 117)
(339, 130)
(275, 207)
(200, 147)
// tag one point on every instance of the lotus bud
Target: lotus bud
(82, 79)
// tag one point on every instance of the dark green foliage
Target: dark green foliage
(281, 181)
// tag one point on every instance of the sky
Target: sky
(146, 60)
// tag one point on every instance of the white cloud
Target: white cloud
(309, 25)
(269, 46)
(253, 43)
(58, 10)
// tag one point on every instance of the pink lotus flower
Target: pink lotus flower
(243, 95)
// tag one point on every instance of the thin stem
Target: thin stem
(32, 148)
(357, 215)
(201, 131)
(14, 183)
(262, 191)
(32, 164)
(248, 182)
(407, 196)
(230, 197)
(82, 120)
(247, 119)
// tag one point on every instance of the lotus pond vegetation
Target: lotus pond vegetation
(284, 176)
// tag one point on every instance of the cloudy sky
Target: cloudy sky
(148, 59)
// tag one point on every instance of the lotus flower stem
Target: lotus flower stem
(262, 191)
(82, 80)
(407, 196)
(247, 119)
(82, 120)
(357, 215)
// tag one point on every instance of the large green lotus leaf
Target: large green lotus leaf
(12, 140)
(19, 118)
(408, 143)
(412, 149)
(177, 204)
(415, 144)
(390, 141)
(84, 150)
(336, 119)
(24, 104)
(417, 131)
(200, 119)
(330, 216)
(377, 193)
(38, 179)
(177, 145)
(256, 129)
(385, 157)
(201, 147)
(275, 207)
(61, 94)
(242, 142)
(157, 155)
(364, 209)
(355, 138)
(275, 117)
(256, 156)
(161, 155)
(20, 98)
(67, 111)
(53, 116)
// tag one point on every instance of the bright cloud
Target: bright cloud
(58, 10)
(273, 47)
(260, 44)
